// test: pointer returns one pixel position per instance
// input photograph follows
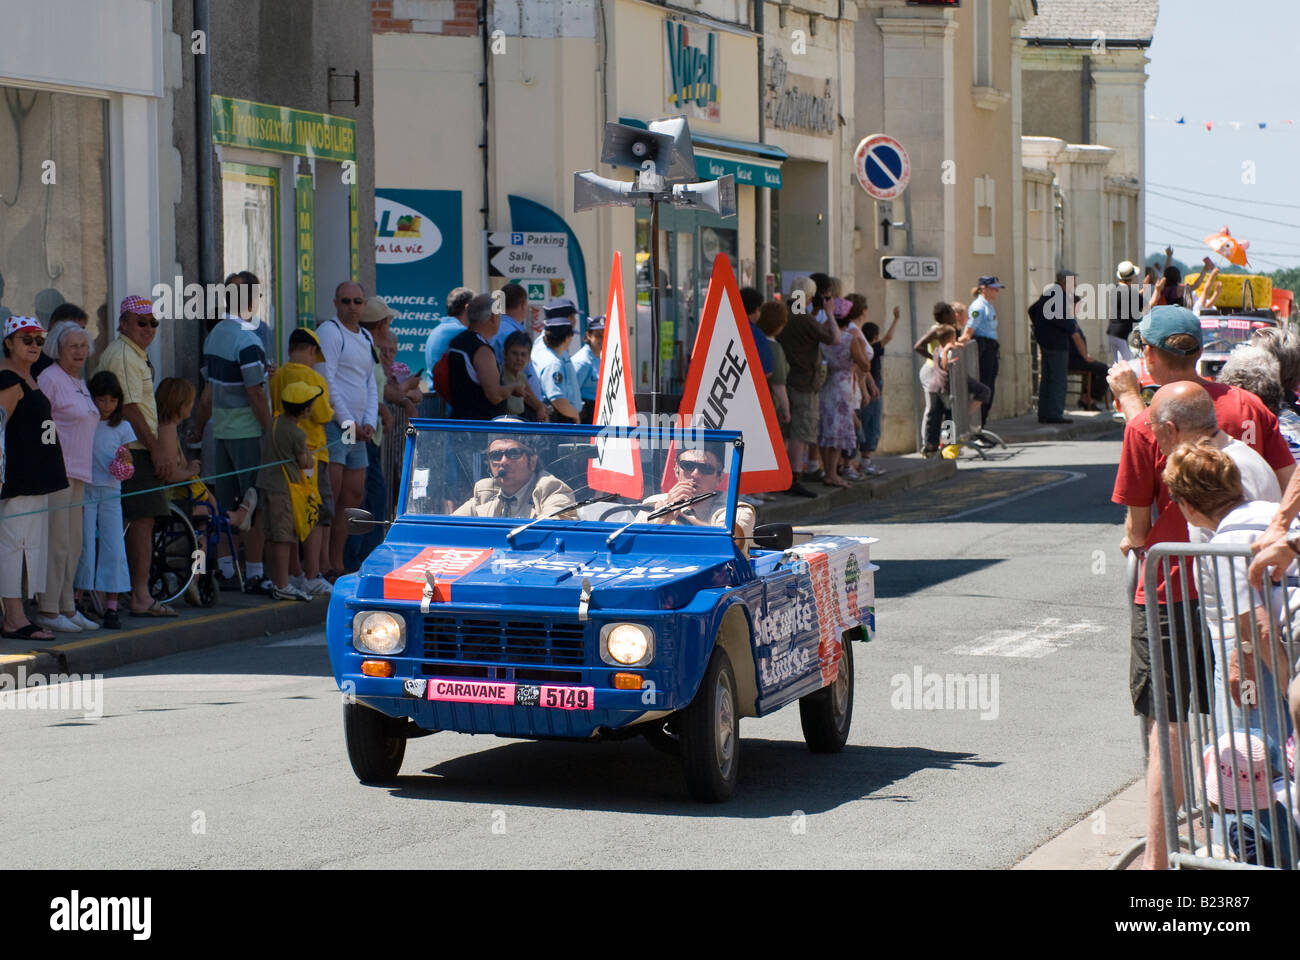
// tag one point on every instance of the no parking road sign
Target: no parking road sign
(882, 166)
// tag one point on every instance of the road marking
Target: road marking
(1032, 491)
(312, 640)
(1030, 643)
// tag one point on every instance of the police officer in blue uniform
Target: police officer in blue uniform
(586, 364)
(560, 389)
(982, 324)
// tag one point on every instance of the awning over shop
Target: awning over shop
(752, 164)
(748, 171)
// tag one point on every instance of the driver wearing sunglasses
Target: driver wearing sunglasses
(698, 472)
(516, 486)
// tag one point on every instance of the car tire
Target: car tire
(709, 733)
(827, 714)
(374, 751)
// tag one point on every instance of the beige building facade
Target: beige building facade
(945, 82)
(775, 110)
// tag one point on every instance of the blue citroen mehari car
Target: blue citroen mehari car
(575, 582)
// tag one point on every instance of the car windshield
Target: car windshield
(1221, 334)
(530, 472)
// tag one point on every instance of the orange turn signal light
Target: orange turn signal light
(627, 681)
(377, 668)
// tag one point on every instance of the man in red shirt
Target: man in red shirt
(1171, 338)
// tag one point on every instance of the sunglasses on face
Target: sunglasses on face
(146, 323)
(511, 453)
(354, 300)
(28, 339)
(702, 467)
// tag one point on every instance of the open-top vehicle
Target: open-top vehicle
(516, 593)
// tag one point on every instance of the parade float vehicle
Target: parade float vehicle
(589, 614)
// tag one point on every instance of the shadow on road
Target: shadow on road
(776, 777)
(899, 578)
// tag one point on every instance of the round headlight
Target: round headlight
(378, 632)
(628, 643)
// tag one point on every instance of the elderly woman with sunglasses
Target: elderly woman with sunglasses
(33, 470)
(75, 418)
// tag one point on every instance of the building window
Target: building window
(54, 234)
(250, 206)
(983, 15)
(984, 196)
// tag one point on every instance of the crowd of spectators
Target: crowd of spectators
(1207, 462)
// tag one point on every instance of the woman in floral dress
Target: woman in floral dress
(843, 362)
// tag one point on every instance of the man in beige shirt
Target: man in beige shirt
(516, 487)
(699, 472)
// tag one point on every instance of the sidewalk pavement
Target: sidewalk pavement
(1099, 838)
(235, 617)
(1027, 429)
(901, 473)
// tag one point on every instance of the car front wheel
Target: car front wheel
(374, 751)
(709, 733)
(825, 715)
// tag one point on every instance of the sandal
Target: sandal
(27, 633)
(157, 610)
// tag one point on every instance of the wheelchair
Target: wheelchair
(185, 551)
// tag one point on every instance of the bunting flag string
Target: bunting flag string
(1236, 125)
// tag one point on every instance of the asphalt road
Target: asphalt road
(1009, 574)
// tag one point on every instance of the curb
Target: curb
(1038, 433)
(95, 654)
(801, 510)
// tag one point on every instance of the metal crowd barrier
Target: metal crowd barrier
(1232, 769)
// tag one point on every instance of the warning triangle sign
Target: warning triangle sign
(725, 386)
(617, 466)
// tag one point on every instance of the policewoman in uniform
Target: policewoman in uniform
(982, 324)
(554, 368)
(586, 364)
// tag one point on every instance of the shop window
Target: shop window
(984, 194)
(54, 235)
(250, 205)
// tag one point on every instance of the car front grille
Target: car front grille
(549, 641)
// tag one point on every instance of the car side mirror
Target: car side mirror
(360, 521)
(774, 536)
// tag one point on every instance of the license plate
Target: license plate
(512, 694)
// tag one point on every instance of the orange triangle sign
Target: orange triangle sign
(726, 389)
(617, 467)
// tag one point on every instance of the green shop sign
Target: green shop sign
(260, 126)
(747, 173)
(306, 228)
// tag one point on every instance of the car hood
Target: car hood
(503, 576)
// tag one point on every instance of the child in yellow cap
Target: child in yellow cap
(286, 459)
(304, 354)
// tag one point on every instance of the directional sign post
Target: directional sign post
(882, 166)
(914, 269)
(527, 254)
(537, 260)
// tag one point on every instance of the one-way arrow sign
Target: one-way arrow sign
(912, 269)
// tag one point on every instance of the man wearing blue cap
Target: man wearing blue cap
(586, 364)
(1171, 345)
(982, 324)
(554, 368)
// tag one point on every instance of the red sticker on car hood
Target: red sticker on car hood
(447, 564)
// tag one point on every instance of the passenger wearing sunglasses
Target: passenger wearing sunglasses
(516, 485)
(699, 472)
